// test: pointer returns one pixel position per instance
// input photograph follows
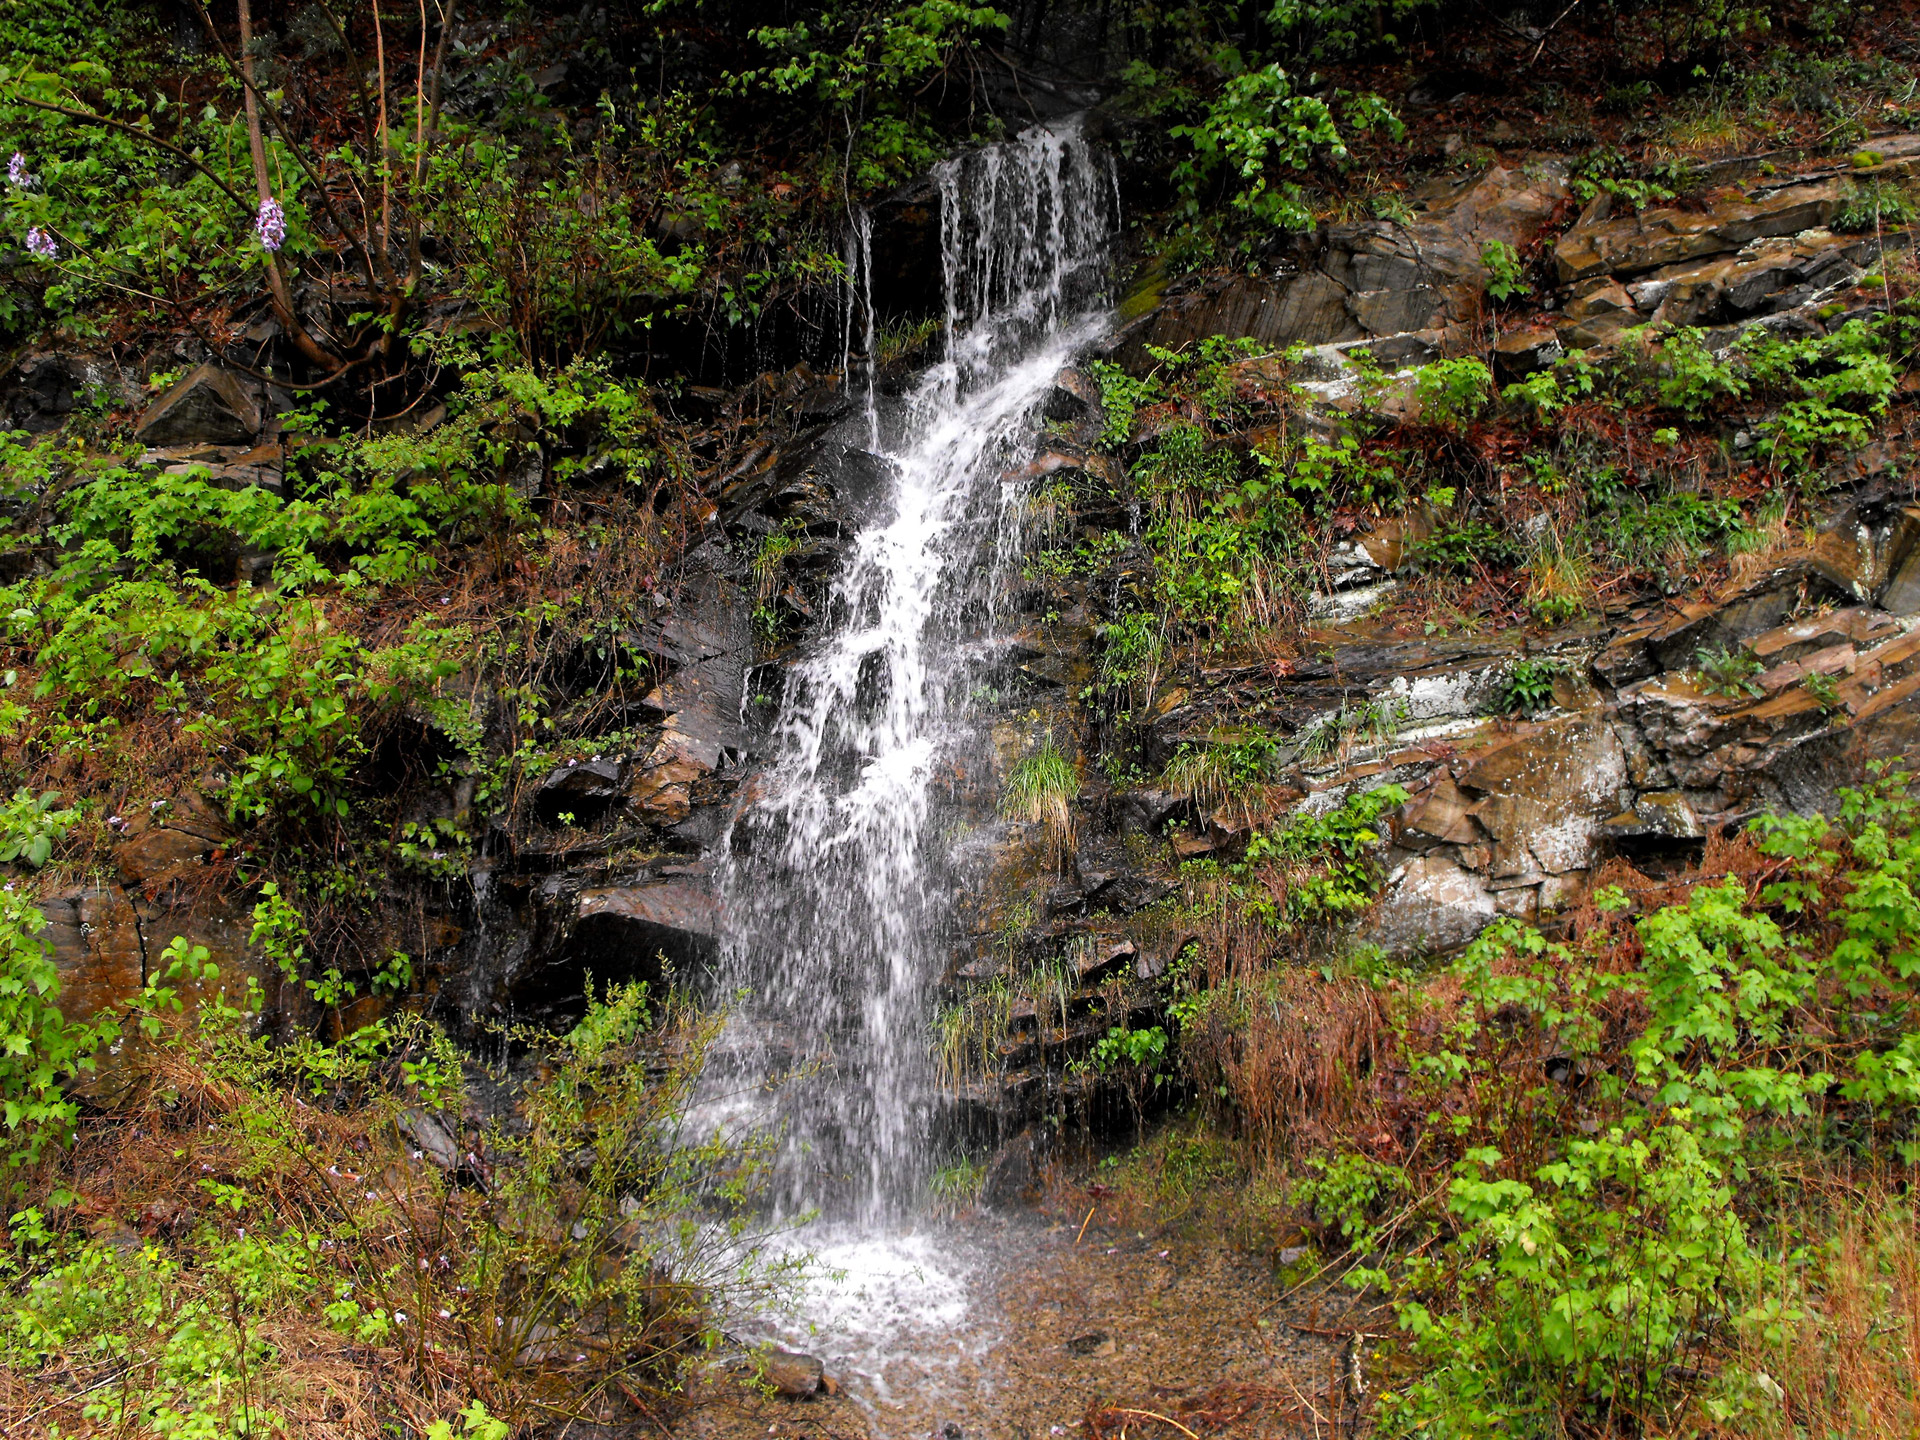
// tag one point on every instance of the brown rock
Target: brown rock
(94, 938)
(160, 853)
(1601, 243)
(792, 1374)
(1519, 353)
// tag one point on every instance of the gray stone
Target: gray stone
(207, 404)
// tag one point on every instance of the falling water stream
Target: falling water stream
(837, 877)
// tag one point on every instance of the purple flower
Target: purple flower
(271, 225)
(40, 243)
(17, 175)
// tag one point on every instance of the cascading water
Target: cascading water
(834, 878)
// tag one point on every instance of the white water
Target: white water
(835, 879)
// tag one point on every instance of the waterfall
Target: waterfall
(834, 878)
(858, 263)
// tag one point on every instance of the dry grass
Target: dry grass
(482, 1263)
(1849, 1365)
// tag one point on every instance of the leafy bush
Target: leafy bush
(328, 1194)
(1259, 129)
(1528, 686)
(1453, 392)
(1696, 379)
(41, 1052)
(1874, 205)
(1461, 545)
(30, 827)
(1505, 277)
(1329, 858)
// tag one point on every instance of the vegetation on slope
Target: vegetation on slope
(1641, 1177)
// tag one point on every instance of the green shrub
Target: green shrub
(1505, 276)
(1453, 392)
(1528, 686)
(1259, 130)
(30, 827)
(41, 1052)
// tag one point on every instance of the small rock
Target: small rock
(429, 1135)
(792, 1374)
(1095, 1345)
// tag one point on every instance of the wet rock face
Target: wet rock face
(1366, 280)
(206, 405)
(46, 388)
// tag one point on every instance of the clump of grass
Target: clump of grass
(1559, 582)
(1369, 723)
(1227, 765)
(957, 1183)
(1849, 1361)
(900, 338)
(1040, 790)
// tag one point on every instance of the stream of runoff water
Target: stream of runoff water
(836, 879)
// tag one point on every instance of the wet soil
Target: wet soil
(1151, 1331)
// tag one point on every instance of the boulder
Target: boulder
(1370, 278)
(792, 1374)
(207, 404)
(628, 927)
(1431, 904)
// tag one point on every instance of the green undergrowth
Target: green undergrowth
(1644, 1178)
(258, 653)
(240, 1210)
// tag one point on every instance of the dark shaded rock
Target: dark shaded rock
(46, 388)
(1901, 593)
(1127, 891)
(206, 404)
(1093, 1345)
(1519, 353)
(629, 927)
(1101, 959)
(584, 789)
(1013, 1174)
(1148, 812)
